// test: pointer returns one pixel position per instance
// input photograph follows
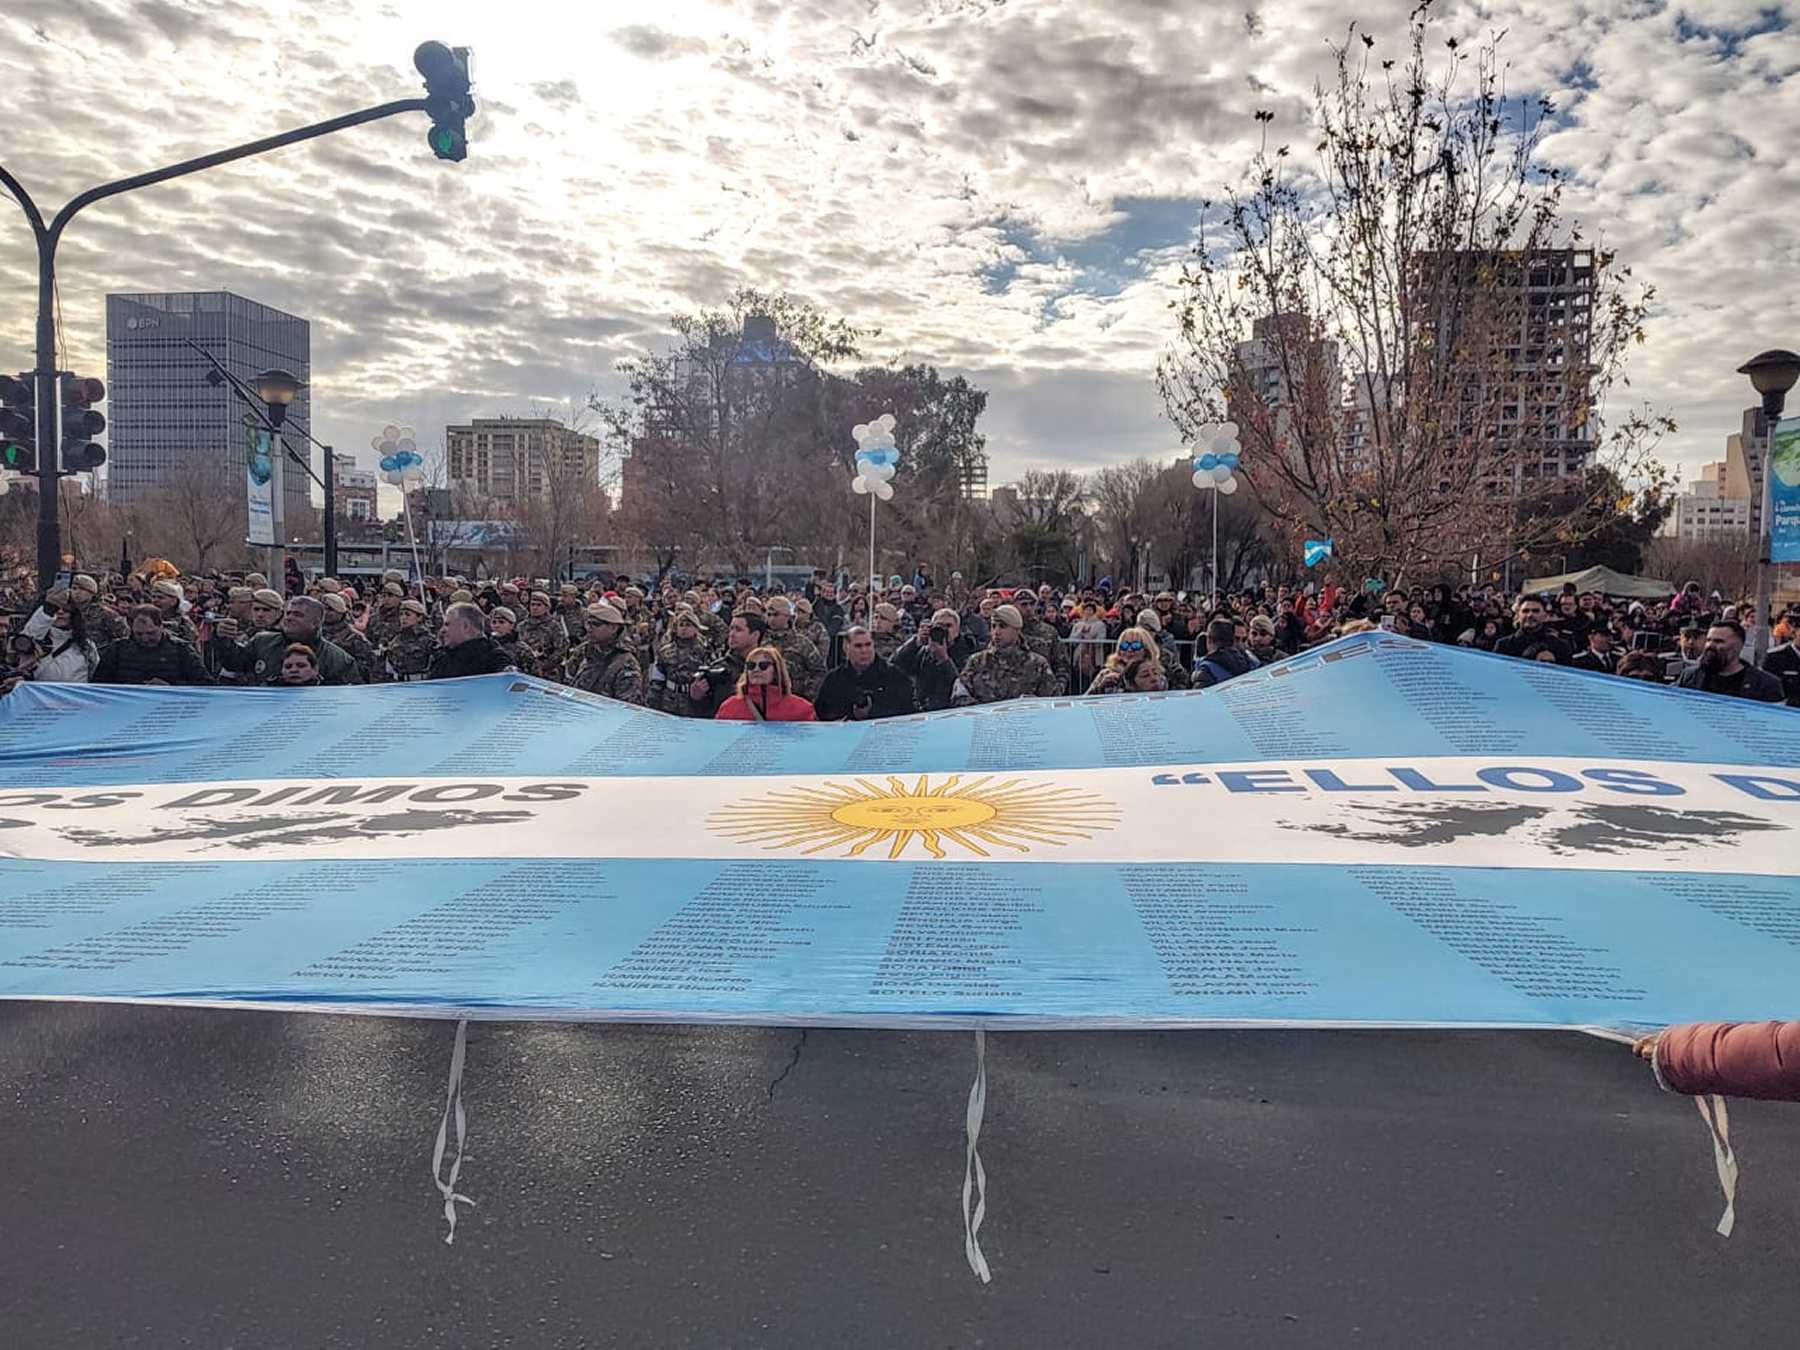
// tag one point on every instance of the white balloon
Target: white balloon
(406, 443)
(1220, 473)
(885, 421)
(1228, 446)
(859, 485)
(1229, 486)
(884, 491)
(390, 432)
(1228, 430)
(1203, 480)
(1207, 432)
(885, 472)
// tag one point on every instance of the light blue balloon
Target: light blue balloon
(1207, 461)
(390, 463)
(1229, 461)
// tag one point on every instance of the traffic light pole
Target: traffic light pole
(49, 438)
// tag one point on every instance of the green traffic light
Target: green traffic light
(447, 142)
(12, 456)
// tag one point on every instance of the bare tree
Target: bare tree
(1043, 518)
(201, 506)
(1413, 341)
(1726, 565)
(1125, 516)
(729, 432)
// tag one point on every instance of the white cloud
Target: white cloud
(1000, 188)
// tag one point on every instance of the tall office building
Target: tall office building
(162, 413)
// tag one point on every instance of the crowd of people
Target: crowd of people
(830, 649)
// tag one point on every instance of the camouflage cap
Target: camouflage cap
(394, 574)
(777, 604)
(392, 588)
(1008, 616)
(413, 607)
(502, 612)
(238, 594)
(334, 603)
(605, 613)
(267, 598)
(256, 581)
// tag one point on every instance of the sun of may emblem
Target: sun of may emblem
(975, 816)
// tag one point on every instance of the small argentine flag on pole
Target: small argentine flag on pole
(1317, 551)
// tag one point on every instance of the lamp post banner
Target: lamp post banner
(1380, 832)
(1784, 493)
(259, 485)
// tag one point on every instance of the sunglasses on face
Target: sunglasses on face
(759, 665)
(1131, 646)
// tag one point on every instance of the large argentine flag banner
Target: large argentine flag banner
(1380, 832)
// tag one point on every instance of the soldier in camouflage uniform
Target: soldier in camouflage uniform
(602, 664)
(167, 597)
(812, 629)
(1008, 668)
(1042, 638)
(680, 656)
(384, 619)
(407, 654)
(806, 668)
(102, 624)
(503, 628)
(640, 625)
(337, 628)
(546, 634)
(1174, 669)
(569, 608)
(884, 627)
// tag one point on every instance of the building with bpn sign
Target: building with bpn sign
(162, 414)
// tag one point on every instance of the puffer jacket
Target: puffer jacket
(1732, 1059)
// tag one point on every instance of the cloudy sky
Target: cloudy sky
(1004, 187)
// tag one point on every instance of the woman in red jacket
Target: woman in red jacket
(765, 692)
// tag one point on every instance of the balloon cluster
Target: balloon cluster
(876, 457)
(1215, 465)
(401, 462)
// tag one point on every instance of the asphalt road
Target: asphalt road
(180, 1178)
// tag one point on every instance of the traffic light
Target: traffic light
(448, 100)
(81, 422)
(18, 423)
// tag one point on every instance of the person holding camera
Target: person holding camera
(865, 687)
(932, 658)
(712, 687)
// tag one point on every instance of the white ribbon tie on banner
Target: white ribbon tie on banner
(1718, 1125)
(453, 1104)
(974, 1174)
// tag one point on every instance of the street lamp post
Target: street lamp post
(1772, 374)
(275, 391)
(448, 103)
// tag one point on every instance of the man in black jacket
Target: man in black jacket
(1532, 634)
(932, 659)
(864, 687)
(465, 648)
(1723, 670)
(1598, 654)
(150, 655)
